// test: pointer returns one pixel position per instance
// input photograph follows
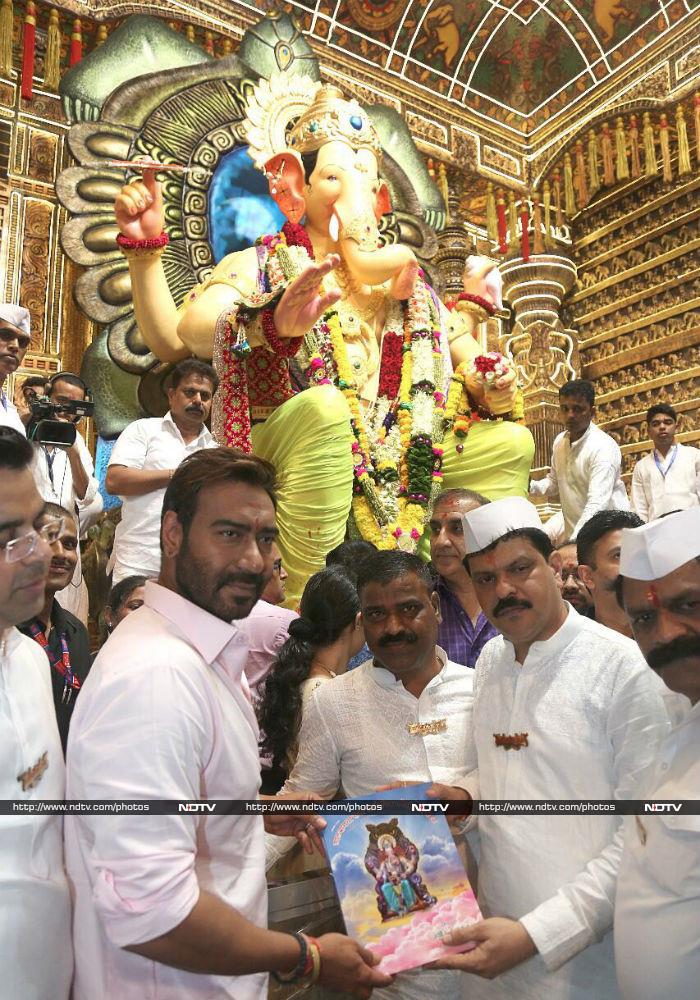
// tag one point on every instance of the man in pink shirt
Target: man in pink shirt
(266, 628)
(168, 907)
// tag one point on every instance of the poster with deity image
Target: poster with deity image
(400, 882)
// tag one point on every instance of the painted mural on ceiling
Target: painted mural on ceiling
(518, 61)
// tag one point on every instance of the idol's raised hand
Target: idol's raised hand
(304, 301)
(139, 208)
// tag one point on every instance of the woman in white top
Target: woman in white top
(321, 641)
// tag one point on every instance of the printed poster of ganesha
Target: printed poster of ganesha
(400, 882)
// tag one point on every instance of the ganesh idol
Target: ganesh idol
(338, 362)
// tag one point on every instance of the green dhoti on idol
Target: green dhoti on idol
(338, 363)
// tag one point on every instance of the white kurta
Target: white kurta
(673, 484)
(36, 958)
(585, 476)
(152, 443)
(9, 417)
(354, 735)
(657, 907)
(165, 713)
(595, 717)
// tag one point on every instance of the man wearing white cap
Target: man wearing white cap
(15, 337)
(564, 708)
(657, 908)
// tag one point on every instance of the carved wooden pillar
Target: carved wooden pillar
(544, 352)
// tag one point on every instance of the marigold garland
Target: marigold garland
(397, 457)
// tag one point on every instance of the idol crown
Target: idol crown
(330, 116)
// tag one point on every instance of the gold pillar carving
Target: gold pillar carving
(544, 352)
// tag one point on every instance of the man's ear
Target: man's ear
(171, 534)
(358, 620)
(285, 174)
(585, 575)
(435, 601)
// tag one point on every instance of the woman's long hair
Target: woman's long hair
(328, 605)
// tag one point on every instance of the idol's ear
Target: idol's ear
(285, 174)
(382, 202)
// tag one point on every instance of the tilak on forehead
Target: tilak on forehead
(653, 597)
(656, 549)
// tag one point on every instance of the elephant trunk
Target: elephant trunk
(358, 238)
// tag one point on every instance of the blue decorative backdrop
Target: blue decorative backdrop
(240, 207)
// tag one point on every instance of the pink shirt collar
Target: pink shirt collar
(207, 634)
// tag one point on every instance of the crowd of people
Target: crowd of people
(517, 660)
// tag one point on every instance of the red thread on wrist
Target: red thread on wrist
(286, 347)
(309, 965)
(155, 243)
(478, 300)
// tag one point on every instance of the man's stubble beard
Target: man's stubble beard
(191, 574)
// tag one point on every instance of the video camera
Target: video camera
(44, 428)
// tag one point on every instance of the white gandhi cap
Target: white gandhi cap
(660, 547)
(485, 525)
(17, 315)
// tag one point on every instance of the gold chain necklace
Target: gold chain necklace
(348, 286)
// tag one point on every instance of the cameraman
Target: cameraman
(15, 336)
(65, 476)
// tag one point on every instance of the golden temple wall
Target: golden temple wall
(637, 306)
(637, 310)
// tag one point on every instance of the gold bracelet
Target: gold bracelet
(316, 959)
(473, 309)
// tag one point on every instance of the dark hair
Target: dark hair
(456, 494)
(664, 408)
(328, 605)
(16, 453)
(193, 366)
(70, 378)
(599, 525)
(33, 381)
(210, 467)
(578, 387)
(540, 540)
(385, 566)
(58, 511)
(122, 591)
(350, 555)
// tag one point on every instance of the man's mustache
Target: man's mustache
(194, 409)
(396, 638)
(256, 580)
(507, 603)
(680, 648)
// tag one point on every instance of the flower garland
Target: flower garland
(397, 453)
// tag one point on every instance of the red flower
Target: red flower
(390, 366)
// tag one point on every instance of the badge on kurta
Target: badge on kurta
(508, 742)
(427, 728)
(33, 775)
